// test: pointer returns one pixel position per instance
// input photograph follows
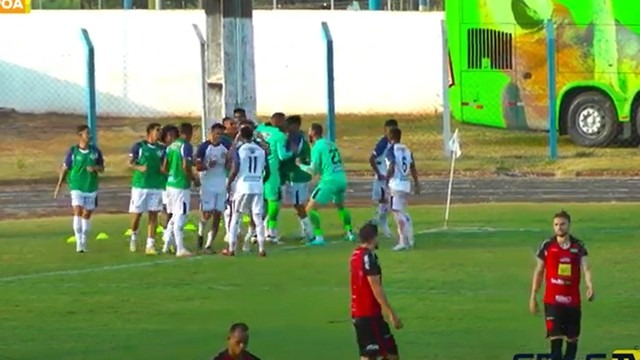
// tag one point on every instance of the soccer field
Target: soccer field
(462, 294)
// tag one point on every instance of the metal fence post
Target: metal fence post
(551, 72)
(90, 87)
(203, 80)
(331, 98)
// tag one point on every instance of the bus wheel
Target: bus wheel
(592, 120)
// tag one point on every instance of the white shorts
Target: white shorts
(178, 201)
(248, 204)
(298, 193)
(88, 201)
(379, 190)
(165, 201)
(212, 200)
(145, 200)
(398, 201)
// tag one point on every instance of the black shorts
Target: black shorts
(374, 337)
(562, 320)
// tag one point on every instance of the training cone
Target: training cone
(128, 232)
(190, 227)
(71, 240)
(102, 236)
(160, 229)
(246, 219)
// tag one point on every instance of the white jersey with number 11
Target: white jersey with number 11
(250, 160)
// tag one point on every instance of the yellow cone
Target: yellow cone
(128, 232)
(160, 229)
(102, 236)
(190, 227)
(71, 240)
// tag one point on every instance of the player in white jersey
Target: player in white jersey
(248, 171)
(401, 167)
(210, 163)
(379, 190)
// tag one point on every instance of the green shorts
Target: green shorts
(272, 189)
(329, 191)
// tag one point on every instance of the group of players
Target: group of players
(242, 169)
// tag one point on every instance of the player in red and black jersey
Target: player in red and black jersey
(560, 260)
(368, 301)
(237, 344)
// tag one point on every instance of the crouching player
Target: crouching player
(81, 166)
(248, 171)
(210, 162)
(400, 165)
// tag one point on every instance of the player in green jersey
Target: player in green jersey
(145, 159)
(295, 179)
(178, 164)
(273, 134)
(230, 129)
(82, 164)
(326, 161)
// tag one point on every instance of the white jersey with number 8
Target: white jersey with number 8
(400, 157)
(250, 160)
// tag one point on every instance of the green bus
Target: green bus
(498, 66)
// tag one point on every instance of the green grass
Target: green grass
(461, 295)
(486, 151)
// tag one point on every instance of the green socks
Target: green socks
(345, 216)
(273, 209)
(315, 222)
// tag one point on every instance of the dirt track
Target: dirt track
(36, 200)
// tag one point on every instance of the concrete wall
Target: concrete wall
(147, 62)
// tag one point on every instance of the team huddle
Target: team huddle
(244, 172)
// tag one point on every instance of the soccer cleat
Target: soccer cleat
(150, 251)
(184, 253)
(227, 252)
(350, 236)
(209, 250)
(132, 246)
(317, 242)
(262, 253)
(400, 247)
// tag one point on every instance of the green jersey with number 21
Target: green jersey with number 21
(326, 160)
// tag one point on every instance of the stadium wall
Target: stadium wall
(147, 62)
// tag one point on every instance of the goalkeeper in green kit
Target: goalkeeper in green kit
(272, 133)
(326, 161)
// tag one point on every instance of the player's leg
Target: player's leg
(338, 197)
(385, 340)
(137, 206)
(573, 320)
(206, 210)
(555, 330)
(239, 204)
(90, 203)
(366, 338)
(398, 205)
(167, 233)
(321, 196)
(76, 207)
(379, 194)
(272, 193)
(179, 200)
(257, 213)
(154, 207)
(299, 195)
(216, 215)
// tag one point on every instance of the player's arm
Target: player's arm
(316, 161)
(538, 271)
(414, 174)
(134, 156)
(586, 269)
(373, 272)
(64, 170)
(235, 167)
(378, 151)
(267, 171)
(187, 161)
(390, 158)
(99, 168)
(305, 153)
(200, 155)
(281, 148)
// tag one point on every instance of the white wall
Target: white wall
(147, 62)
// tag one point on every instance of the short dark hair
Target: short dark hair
(391, 123)
(240, 326)
(246, 133)
(246, 123)
(280, 115)
(240, 111)
(168, 129)
(562, 214)
(186, 128)
(152, 127)
(368, 232)
(317, 129)
(293, 120)
(217, 126)
(395, 134)
(226, 118)
(82, 128)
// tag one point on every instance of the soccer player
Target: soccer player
(369, 301)
(82, 164)
(145, 158)
(274, 135)
(249, 170)
(178, 164)
(169, 134)
(239, 115)
(237, 344)
(297, 180)
(326, 161)
(560, 260)
(230, 128)
(378, 164)
(211, 163)
(400, 165)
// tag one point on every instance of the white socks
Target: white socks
(81, 230)
(260, 231)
